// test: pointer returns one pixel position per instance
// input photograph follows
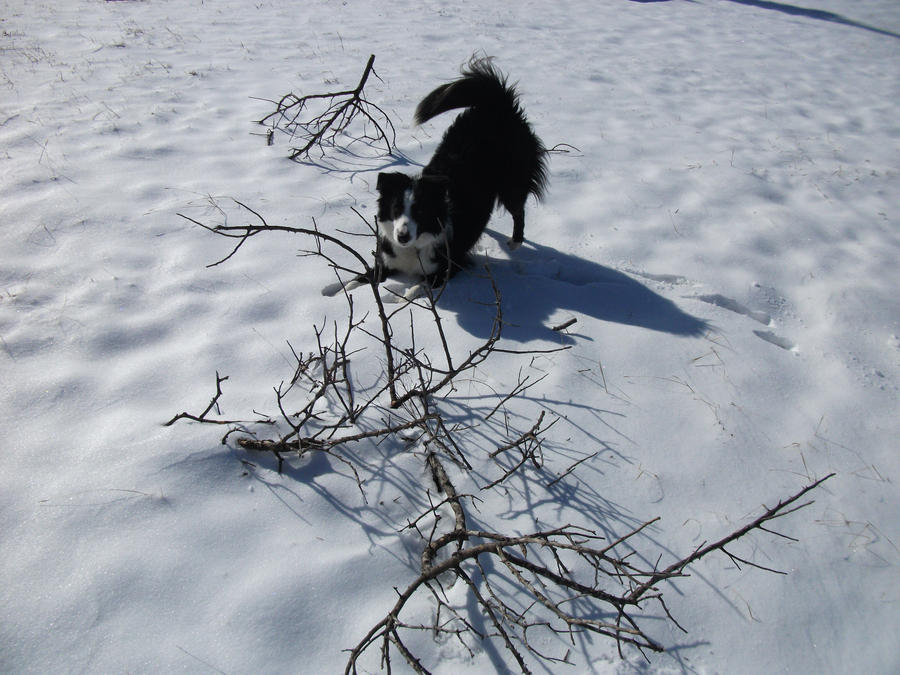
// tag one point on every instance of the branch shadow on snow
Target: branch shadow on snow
(357, 160)
(300, 481)
(540, 283)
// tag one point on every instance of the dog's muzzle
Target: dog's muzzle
(402, 233)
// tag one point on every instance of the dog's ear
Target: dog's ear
(393, 181)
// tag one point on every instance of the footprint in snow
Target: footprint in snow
(776, 340)
(734, 306)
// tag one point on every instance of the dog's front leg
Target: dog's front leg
(419, 289)
(376, 275)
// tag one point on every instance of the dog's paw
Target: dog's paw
(512, 244)
(393, 294)
(415, 292)
(397, 294)
(335, 288)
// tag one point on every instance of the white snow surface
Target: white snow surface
(725, 234)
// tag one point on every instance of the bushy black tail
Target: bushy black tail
(499, 128)
(480, 85)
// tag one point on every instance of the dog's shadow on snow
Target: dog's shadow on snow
(541, 286)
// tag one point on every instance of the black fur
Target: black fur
(489, 155)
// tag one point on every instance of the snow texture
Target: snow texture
(725, 232)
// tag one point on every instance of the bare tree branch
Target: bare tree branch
(558, 582)
(556, 590)
(337, 113)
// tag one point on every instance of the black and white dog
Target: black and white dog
(489, 155)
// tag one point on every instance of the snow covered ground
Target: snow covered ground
(726, 235)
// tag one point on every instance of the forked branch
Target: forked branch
(521, 588)
(338, 112)
(598, 589)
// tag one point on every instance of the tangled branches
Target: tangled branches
(567, 579)
(484, 584)
(333, 114)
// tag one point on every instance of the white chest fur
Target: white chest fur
(420, 257)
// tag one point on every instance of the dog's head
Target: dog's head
(409, 208)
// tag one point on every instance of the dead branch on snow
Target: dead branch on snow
(560, 582)
(338, 113)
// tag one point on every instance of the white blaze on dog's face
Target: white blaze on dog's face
(404, 228)
(412, 212)
(413, 224)
(395, 201)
